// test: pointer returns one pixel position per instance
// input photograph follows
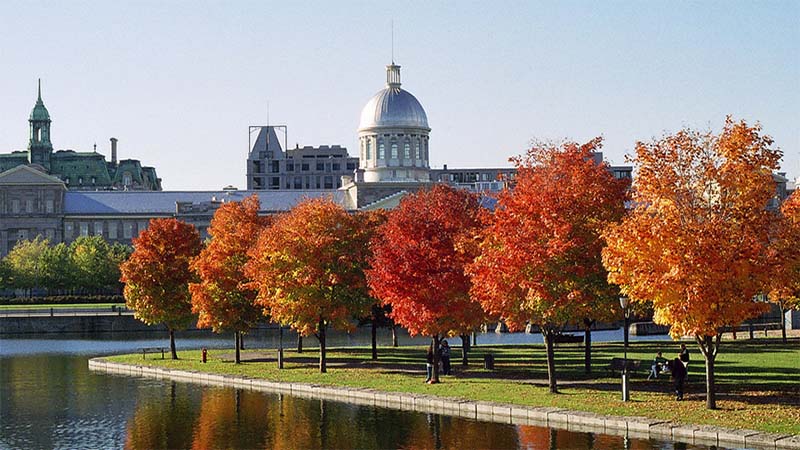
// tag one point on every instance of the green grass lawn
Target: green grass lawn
(758, 382)
(62, 306)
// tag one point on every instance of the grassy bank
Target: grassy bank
(758, 381)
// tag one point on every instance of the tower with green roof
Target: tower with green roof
(40, 149)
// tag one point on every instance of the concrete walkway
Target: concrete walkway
(636, 427)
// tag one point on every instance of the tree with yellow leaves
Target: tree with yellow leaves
(694, 243)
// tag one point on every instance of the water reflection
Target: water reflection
(53, 401)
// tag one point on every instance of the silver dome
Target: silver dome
(393, 107)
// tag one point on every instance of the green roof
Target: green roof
(39, 112)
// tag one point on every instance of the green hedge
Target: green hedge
(62, 299)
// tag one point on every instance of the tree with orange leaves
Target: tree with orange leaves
(308, 269)
(695, 241)
(784, 281)
(157, 275)
(220, 298)
(540, 256)
(418, 264)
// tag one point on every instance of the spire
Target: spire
(39, 100)
(393, 75)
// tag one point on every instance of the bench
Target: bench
(567, 339)
(147, 350)
(618, 364)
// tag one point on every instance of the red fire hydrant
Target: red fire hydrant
(205, 354)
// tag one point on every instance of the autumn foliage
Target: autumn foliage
(419, 259)
(784, 287)
(157, 275)
(308, 269)
(694, 243)
(540, 257)
(220, 298)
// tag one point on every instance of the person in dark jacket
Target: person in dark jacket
(429, 364)
(678, 377)
(684, 355)
(445, 355)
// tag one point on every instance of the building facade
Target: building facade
(271, 167)
(78, 170)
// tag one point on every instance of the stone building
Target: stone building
(269, 166)
(79, 170)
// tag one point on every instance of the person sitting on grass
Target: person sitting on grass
(658, 366)
(678, 377)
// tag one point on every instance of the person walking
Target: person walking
(429, 364)
(678, 378)
(445, 357)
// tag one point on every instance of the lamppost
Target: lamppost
(626, 394)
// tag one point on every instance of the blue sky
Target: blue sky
(179, 82)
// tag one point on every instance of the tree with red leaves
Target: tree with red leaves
(308, 269)
(157, 275)
(540, 257)
(220, 298)
(418, 264)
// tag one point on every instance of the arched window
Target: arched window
(394, 149)
(381, 149)
(127, 179)
(407, 149)
(369, 150)
(416, 149)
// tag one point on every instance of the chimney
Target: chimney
(113, 150)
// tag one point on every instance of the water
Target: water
(49, 399)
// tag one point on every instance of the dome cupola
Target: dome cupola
(393, 134)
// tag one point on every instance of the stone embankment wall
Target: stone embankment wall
(635, 427)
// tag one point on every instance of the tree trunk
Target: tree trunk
(709, 345)
(437, 356)
(241, 340)
(587, 345)
(474, 339)
(299, 343)
(394, 335)
(783, 322)
(237, 338)
(172, 344)
(551, 362)
(464, 349)
(322, 349)
(374, 340)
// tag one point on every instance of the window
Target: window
(394, 150)
(127, 179)
(80, 180)
(289, 166)
(29, 205)
(305, 167)
(112, 230)
(369, 148)
(142, 226)
(94, 180)
(298, 182)
(68, 230)
(328, 182)
(337, 167)
(319, 185)
(320, 167)
(49, 234)
(84, 228)
(15, 206)
(98, 228)
(381, 149)
(351, 166)
(48, 205)
(416, 149)
(484, 177)
(127, 230)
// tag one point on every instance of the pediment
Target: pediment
(25, 175)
